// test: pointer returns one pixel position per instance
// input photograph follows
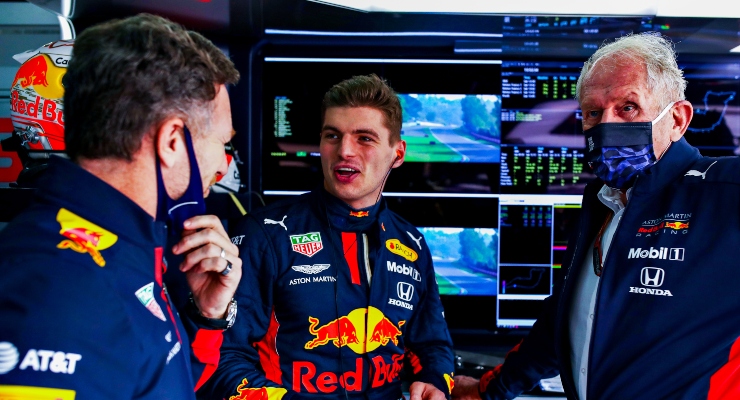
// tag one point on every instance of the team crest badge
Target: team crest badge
(145, 294)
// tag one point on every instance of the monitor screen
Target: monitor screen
(713, 89)
(451, 121)
(495, 162)
(453, 128)
(464, 259)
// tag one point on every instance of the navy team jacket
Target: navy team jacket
(667, 318)
(312, 324)
(83, 312)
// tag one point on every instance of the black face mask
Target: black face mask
(618, 151)
(191, 203)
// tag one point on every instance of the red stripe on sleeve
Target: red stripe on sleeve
(207, 349)
(349, 244)
(267, 349)
(725, 383)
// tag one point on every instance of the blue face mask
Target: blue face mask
(617, 151)
(191, 203)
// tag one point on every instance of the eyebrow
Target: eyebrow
(361, 131)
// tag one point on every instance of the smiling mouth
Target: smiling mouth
(346, 172)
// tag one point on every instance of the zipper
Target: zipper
(366, 256)
(598, 285)
(561, 304)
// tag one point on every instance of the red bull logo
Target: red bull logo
(32, 72)
(83, 236)
(359, 214)
(36, 100)
(385, 331)
(677, 225)
(651, 229)
(354, 332)
(262, 393)
(396, 247)
(306, 378)
(341, 332)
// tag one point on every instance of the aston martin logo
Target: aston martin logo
(311, 269)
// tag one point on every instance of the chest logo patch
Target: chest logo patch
(145, 294)
(396, 247)
(310, 269)
(274, 222)
(83, 236)
(307, 244)
(362, 330)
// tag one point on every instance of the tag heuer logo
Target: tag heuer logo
(307, 244)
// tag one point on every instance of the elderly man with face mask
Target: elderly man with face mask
(648, 308)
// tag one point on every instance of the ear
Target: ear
(400, 153)
(682, 113)
(170, 141)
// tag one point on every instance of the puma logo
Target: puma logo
(417, 240)
(703, 175)
(273, 222)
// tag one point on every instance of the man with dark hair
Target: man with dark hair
(84, 309)
(658, 232)
(338, 290)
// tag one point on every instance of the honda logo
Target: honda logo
(405, 291)
(651, 276)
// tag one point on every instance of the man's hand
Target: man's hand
(205, 241)
(466, 388)
(425, 391)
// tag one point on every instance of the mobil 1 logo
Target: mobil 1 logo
(657, 253)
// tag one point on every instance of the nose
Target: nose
(347, 147)
(223, 168)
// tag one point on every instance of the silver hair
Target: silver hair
(653, 50)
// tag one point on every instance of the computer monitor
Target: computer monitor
(495, 164)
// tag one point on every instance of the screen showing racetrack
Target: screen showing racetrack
(464, 259)
(451, 127)
(714, 91)
(451, 121)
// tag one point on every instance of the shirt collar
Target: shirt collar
(347, 218)
(612, 197)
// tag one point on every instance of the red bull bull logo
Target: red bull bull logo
(83, 236)
(354, 332)
(396, 247)
(359, 214)
(384, 331)
(32, 72)
(677, 225)
(262, 393)
(341, 332)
